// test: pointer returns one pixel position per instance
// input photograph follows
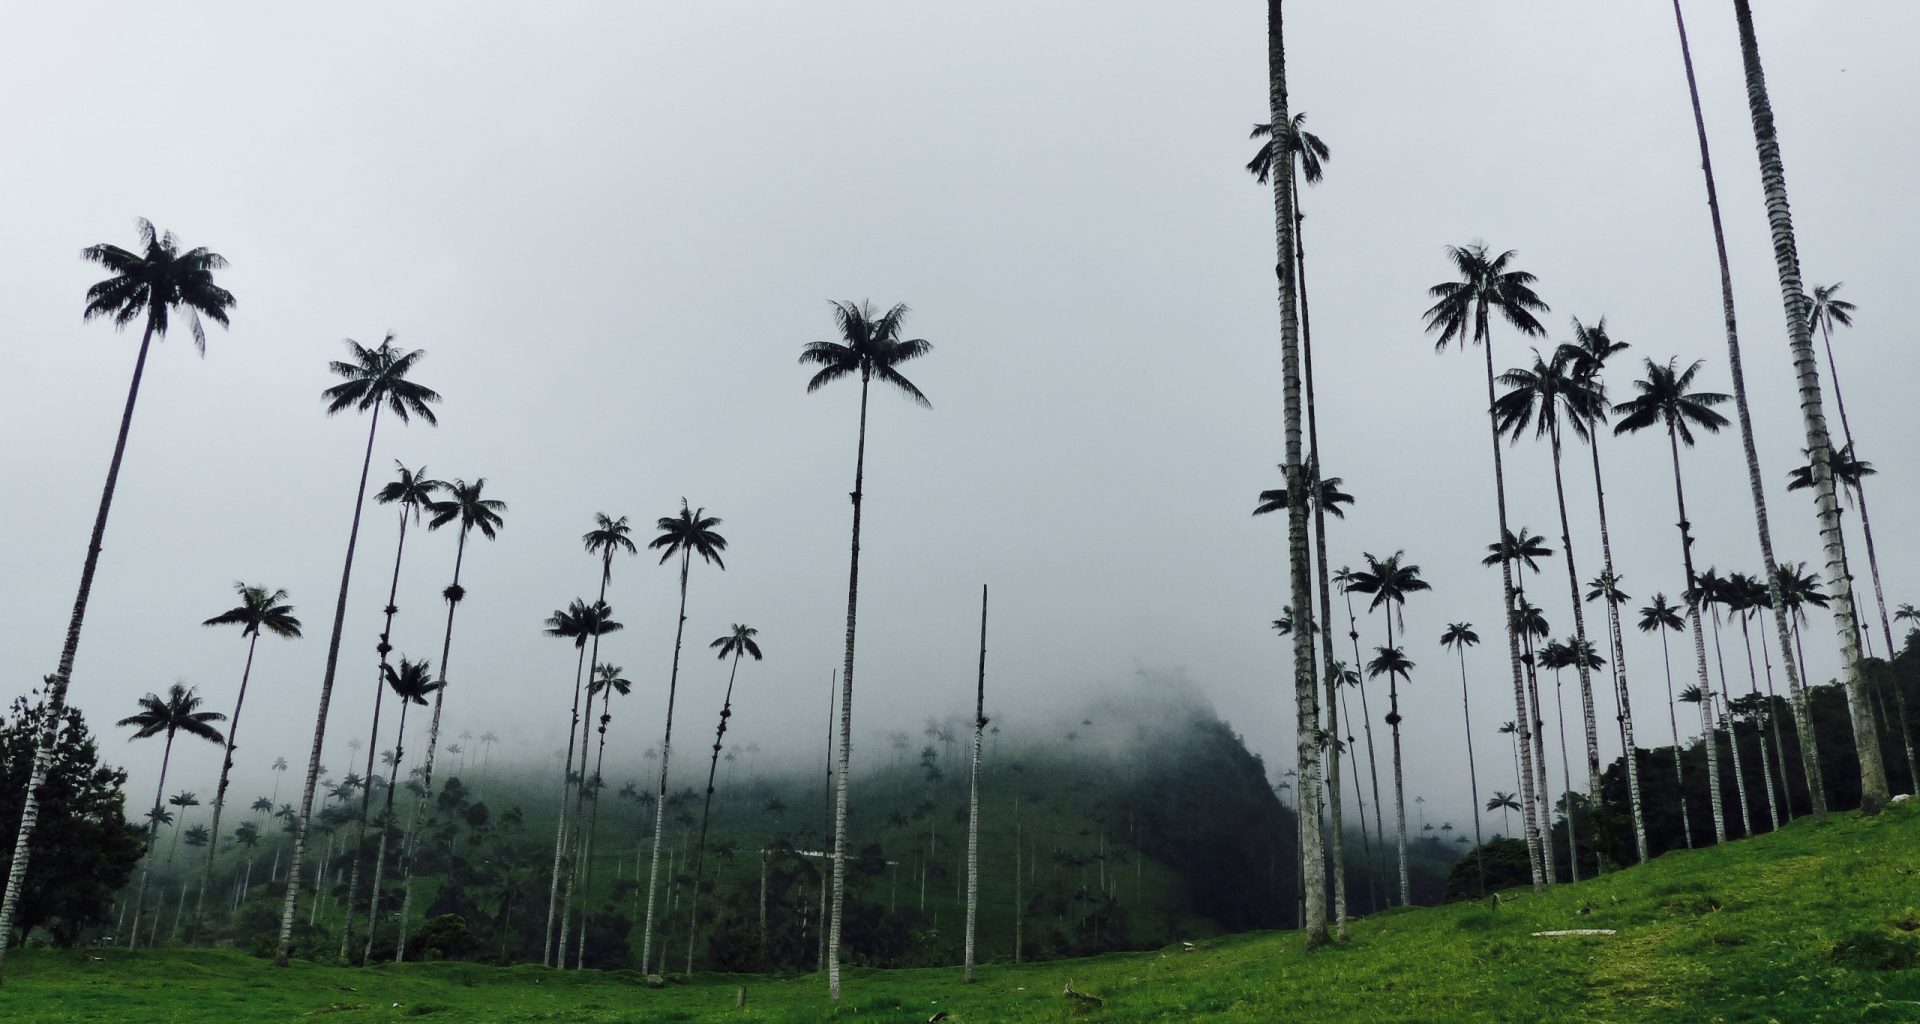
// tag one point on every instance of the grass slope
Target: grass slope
(1815, 923)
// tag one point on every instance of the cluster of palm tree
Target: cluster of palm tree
(1560, 396)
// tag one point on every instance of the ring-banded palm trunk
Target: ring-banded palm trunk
(220, 793)
(1773, 180)
(386, 828)
(1622, 695)
(412, 847)
(373, 741)
(1759, 734)
(1582, 668)
(560, 830)
(1473, 773)
(973, 792)
(666, 746)
(1373, 767)
(706, 814)
(1733, 731)
(1305, 683)
(1802, 714)
(1566, 781)
(1537, 770)
(284, 948)
(1699, 644)
(1779, 742)
(1679, 773)
(584, 839)
(56, 699)
(593, 819)
(153, 833)
(1399, 776)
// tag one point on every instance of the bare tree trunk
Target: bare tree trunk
(846, 711)
(220, 793)
(373, 739)
(386, 827)
(1733, 736)
(666, 752)
(454, 594)
(973, 795)
(706, 815)
(284, 948)
(1473, 775)
(56, 699)
(560, 830)
(1566, 777)
(1622, 694)
(1373, 765)
(1699, 645)
(1759, 735)
(153, 833)
(1773, 180)
(1679, 773)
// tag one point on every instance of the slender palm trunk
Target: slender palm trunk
(706, 814)
(1537, 853)
(1566, 780)
(1679, 773)
(1879, 595)
(1537, 773)
(1733, 734)
(373, 741)
(1374, 900)
(1802, 714)
(1399, 778)
(56, 699)
(666, 752)
(832, 932)
(973, 794)
(1373, 764)
(581, 788)
(1473, 774)
(220, 792)
(560, 830)
(1699, 644)
(1759, 735)
(1323, 624)
(153, 832)
(1773, 180)
(1779, 742)
(1622, 694)
(412, 847)
(593, 819)
(1583, 670)
(386, 827)
(284, 948)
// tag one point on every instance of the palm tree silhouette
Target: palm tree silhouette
(1390, 581)
(1713, 594)
(177, 712)
(1344, 578)
(736, 643)
(410, 684)
(1503, 802)
(465, 505)
(579, 622)
(371, 381)
(607, 680)
(1662, 617)
(151, 283)
(259, 610)
(608, 537)
(1666, 398)
(413, 490)
(1463, 312)
(871, 347)
(1458, 637)
(687, 534)
(1803, 720)
(1392, 662)
(1793, 300)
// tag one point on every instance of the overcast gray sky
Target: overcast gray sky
(612, 227)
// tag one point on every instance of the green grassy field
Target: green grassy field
(1816, 923)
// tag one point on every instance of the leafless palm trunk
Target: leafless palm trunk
(666, 752)
(560, 830)
(1693, 597)
(1622, 693)
(386, 827)
(1733, 735)
(373, 740)
(454, 594)
(973, 795)
(220, 793)
(706, 814)
(846, 709)
(153, 832)
(1679, 773)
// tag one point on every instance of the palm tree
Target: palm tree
(374, 379)
(1524, 549)
(1344, 577)
(1712, 591)
(1753, 597)
(177, 712)
(871, 347)
(1549, 394)
(736, 643)
(1392, 662)
(184, 799)
(1329, 496)
(973, 796)
(687, 534)
(1666, 398)
(467, 506)
(259, 610)
(1786, 258)
(1503, 802)
(1463, 312)
(411, 685)
(413, 490)
(151, 283)
(1661, 617)
(608, 537)
(607, 680)
(577, 622)
(1511, 730)
(1459, 636)
(1590, 349)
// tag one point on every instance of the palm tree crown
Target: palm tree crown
(1826, 310)
(378, 376)
(156, 280)
(1331, 497)
(178, 711)
(465, 504)
(1518, 546)
(608, 537)
(1388, 581)
(413, 682)
(1667, 398)
(1551, 392)
(1462, 310)
(1459, 634)
(412, 490)
(259, 610)
(690, 533)
(870, 346)
(1305, 145)
(739, 641)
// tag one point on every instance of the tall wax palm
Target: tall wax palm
(1392, 662)
(1661, 617)
(1786, 258)
(973, 798)
(1458, 637)
(736, 643)
(870, 347)
(576, 622)
(1799, 590)
(1549, 396)
(149, 283)
(1463, 312)
(609, 537)
(469, 509)
(1555, 657)
(410, 684)
(1344, 576)
(1523, 549)
(595, 621)
(608, 680)
(260, 610)
(177, 712)
(687, 534)
(413, 490)
(1666, 398)
(1307, 727)
(1750, 599)
(184, 799)
(1578, 653)
(1607, 587)
(373, 380)
(1590, 349)
(1849, 475)
(1389, 581)
(1504, 802)
(1711, 592)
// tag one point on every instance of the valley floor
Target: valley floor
(1819, 922)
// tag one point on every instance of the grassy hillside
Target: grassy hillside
(1817, 922)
